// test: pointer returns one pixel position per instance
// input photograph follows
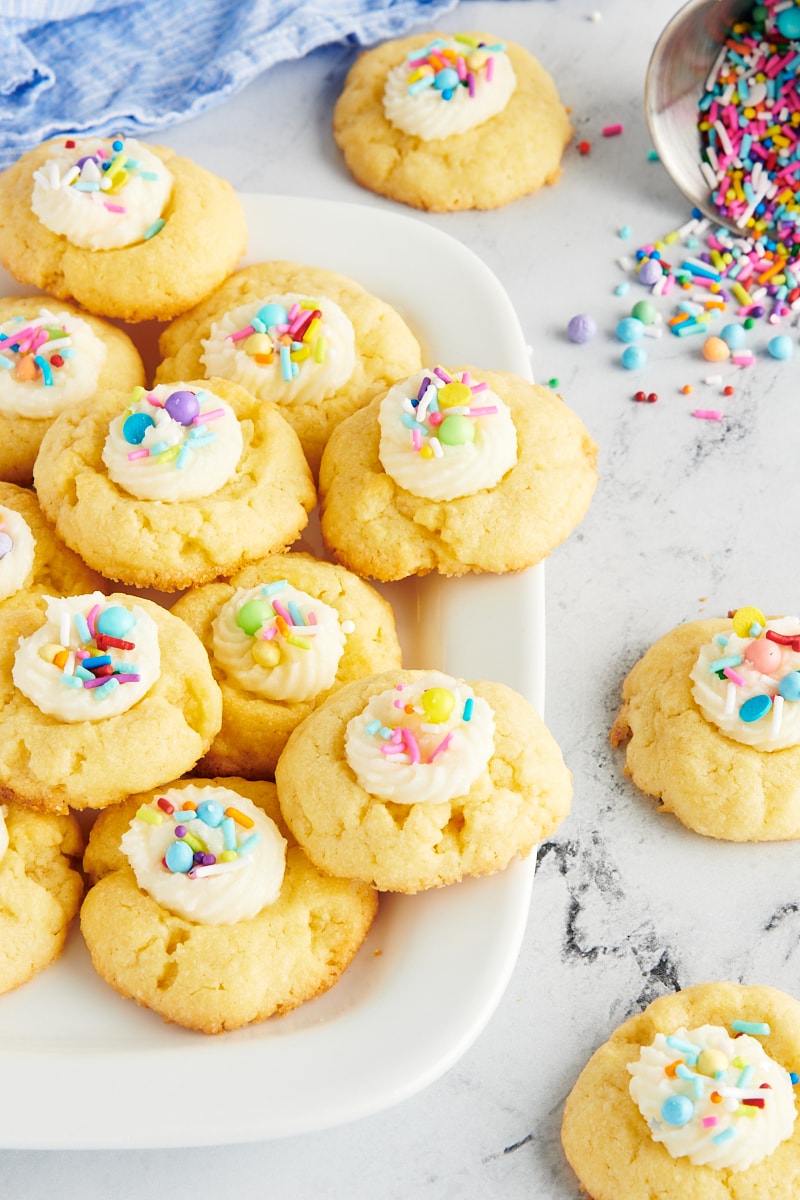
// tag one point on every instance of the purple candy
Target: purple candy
(650, 272)
(182, 407)
(581, 328)
(6, 544)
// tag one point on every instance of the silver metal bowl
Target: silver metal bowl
(676, 77)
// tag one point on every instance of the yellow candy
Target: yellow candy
(228, 856)
(49, 651)
(437, 704)
(745, 618)
(266, 654)
(710, 1062)
(453, 394)
(426, 452)
(258, 343)
(477, 59)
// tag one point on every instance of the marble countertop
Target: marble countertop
(689, 520)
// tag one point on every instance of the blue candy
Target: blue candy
(115, 621)
(136, 426)
(179, 858)
(755, 708)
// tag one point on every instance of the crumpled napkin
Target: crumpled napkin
(70, 66)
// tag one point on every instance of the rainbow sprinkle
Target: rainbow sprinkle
(447, 70)
(284, 337)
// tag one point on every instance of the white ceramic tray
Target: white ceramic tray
(81, 1067)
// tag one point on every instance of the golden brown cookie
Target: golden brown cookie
(501, 499)
(214, 977)
(51, 567)
(40, 889)
(356, 637)
(413, 157)
(182, 239)
(356, 346)
(607, 1139)
(65, 357)
(713, 784)
(412, 779)
(153, 724)
(165, 539)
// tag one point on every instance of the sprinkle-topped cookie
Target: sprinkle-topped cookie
(445, 436)
(90, 660)
(448, 87)
(747, 681)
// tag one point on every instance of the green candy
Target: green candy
(252, 615)
(457, 430)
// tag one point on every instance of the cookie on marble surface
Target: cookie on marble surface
(52, 357)
(350, 345)
(412, 779)
(40, 889)
(175, 486)
(123, 228)
(487, 475)
(711, 717)
(32, 555)
(468, 122)
(693, 1099)
(216, 946)
(74, 733)
(273, 669)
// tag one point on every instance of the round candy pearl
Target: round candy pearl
(136, 426)
(115, 621)
(789, 22)
(711, 1061)
(630, 329)
(677, 1110)
(633, 357)
(581, 328)
(644, 311)
(716, 349)
(650, 272)
(745, 618)
(265, 653)
(789, 686)
(734, 335)
(252, 615)
(437, 704)
(453, 395)
(6, 544)
(446, 80)
(179, 858)
(182, 407)
(781, 346)
(456, 430)
(258, 343)
(764, 655)
(272, 314)
(755, 708)
(210, 812)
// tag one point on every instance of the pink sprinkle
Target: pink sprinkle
(93, 611)
(478, 387)
(270, 633)
(489, 69)
(280, 611)
(743, 360)
(114, 207)
(442, 374)
(708, 414)
(443, 744)
(466, 378)
(211, 415)
(293, 312)
(461, 68)
(154, 400)
(483, 412)
(134, 454)
(612, 130)
(312, 618)
(416, 439)
(241, 333)
(392, 748)
(707, 1121)
(734, 677)
(410, 744)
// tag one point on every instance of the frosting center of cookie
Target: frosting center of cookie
(207, 854)
(102, 193)
(746, 681)
(173, 443)
(719, 1101)
(286, 348)
(278, 642)
(17, 547)
(47, 363)
(448, 87)
(423, 742)
(443, 436)
(89, 660)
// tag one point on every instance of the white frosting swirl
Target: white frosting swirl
(3, 831)
(720, 700)
(173, 461)
(17, 548)
(70, 357)
(97, 209)
(717, 1126)
(296, 660)
(439, 452)
(421, 108)
(224, 892)
(432, 762)
(61, 690)
(320, 362)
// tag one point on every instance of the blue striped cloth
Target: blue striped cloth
(71, 66)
